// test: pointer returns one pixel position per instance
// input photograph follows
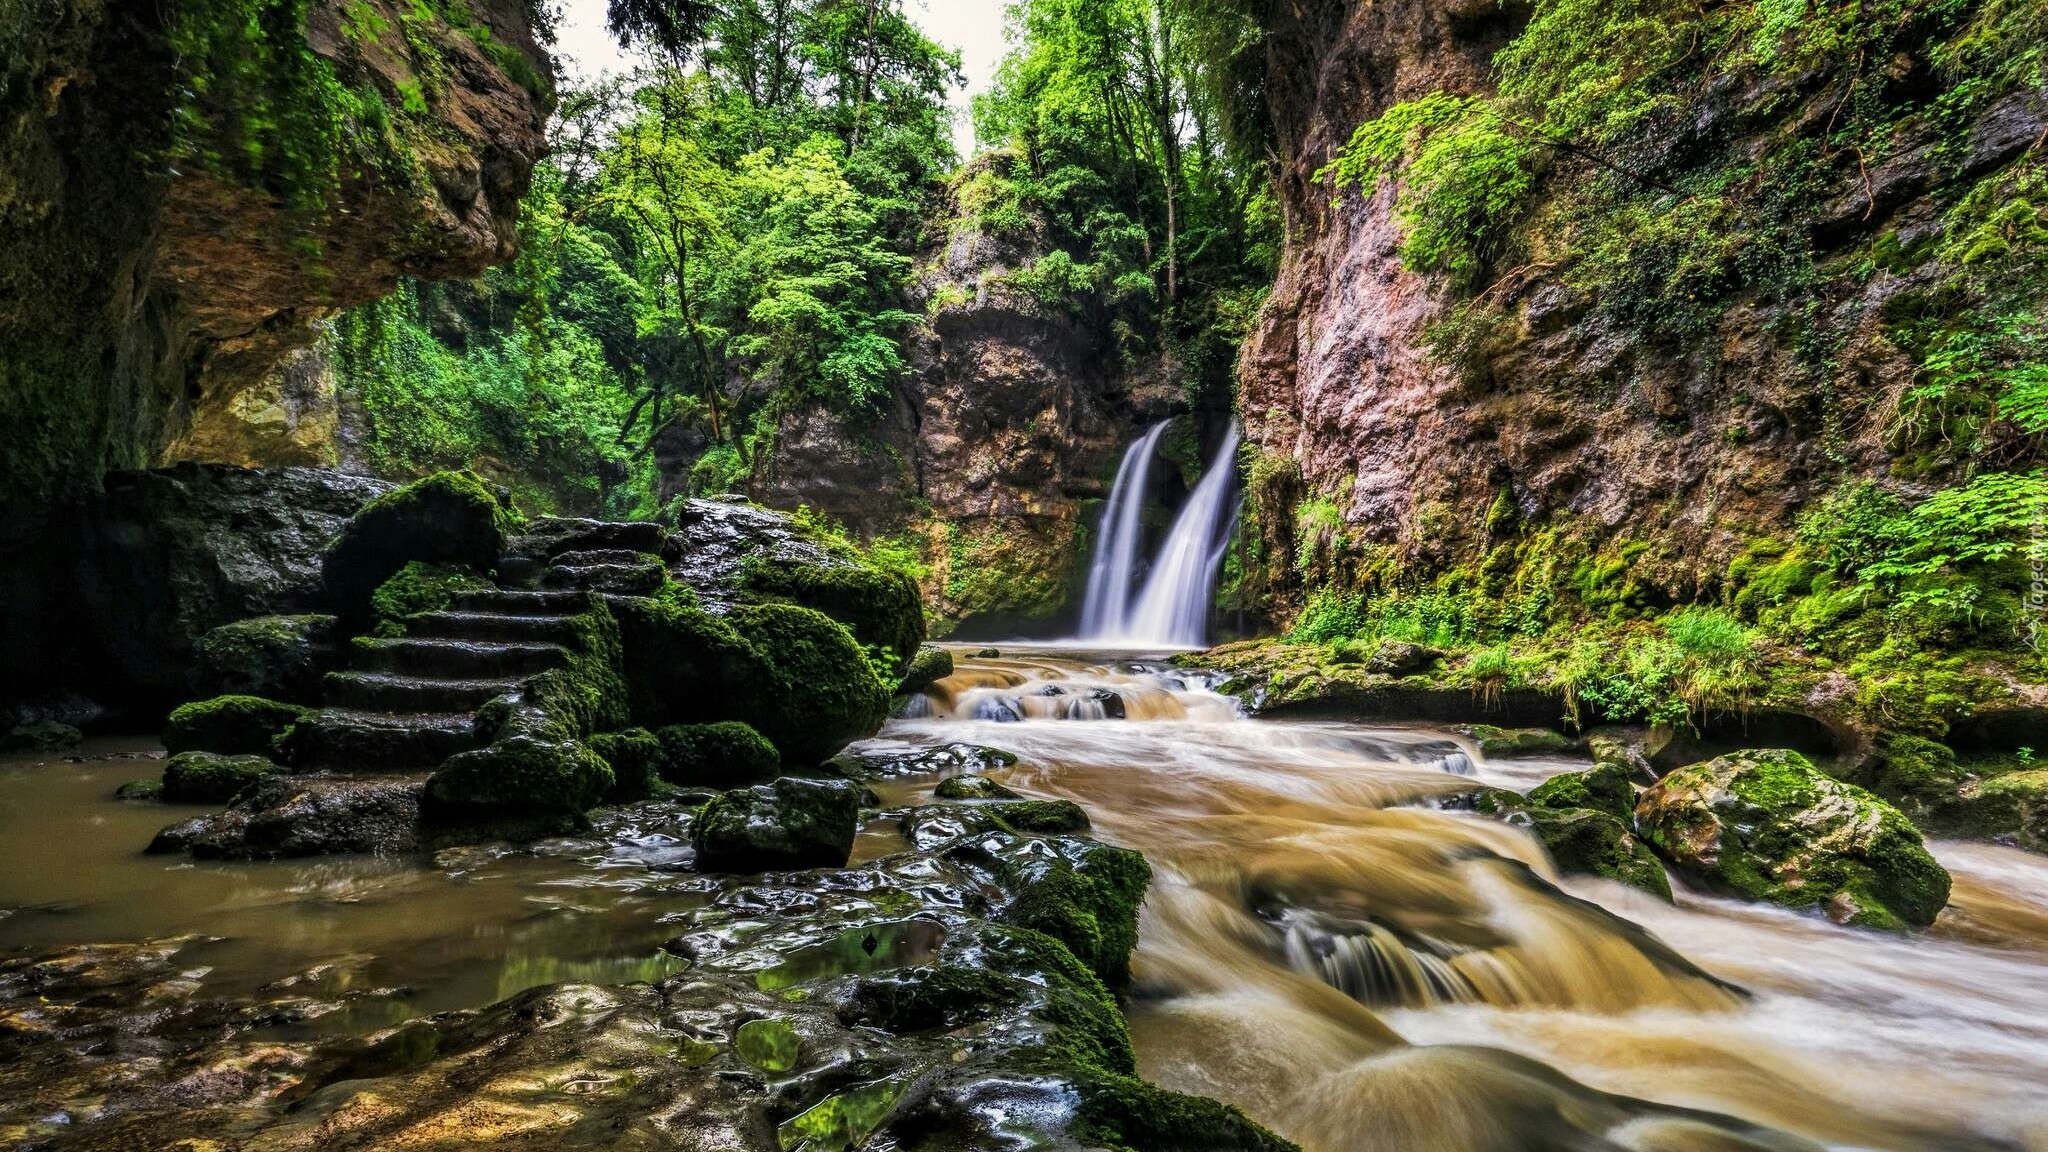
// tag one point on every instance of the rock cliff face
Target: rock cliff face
(1568, 416)
(1005, 434)
(186, 188)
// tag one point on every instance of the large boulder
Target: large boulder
(727, 754)
(156, 562)
(296, 816)
(1768, 825)
(787, 825)
(1604, 787)
(448, 518)
(791, 673)
(210, 778)
(523, 772)
(40, 736)
(279, 657)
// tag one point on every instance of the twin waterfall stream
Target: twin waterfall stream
(1170, 608)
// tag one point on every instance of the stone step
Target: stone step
(552, 536)
(351, 740)
(491, 626)
(604, 556)
(458, 659)
(638, 579)
(391, 692)
(516, 603)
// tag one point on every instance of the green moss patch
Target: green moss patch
(209, 778)
(726, 754)
(420, 587)
(230, 725)
(449, 518)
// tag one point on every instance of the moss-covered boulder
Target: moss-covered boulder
(1511, 743)
(40, 736)
(727, 754)
(447, 518)
(523, 772)
(419, 587)
(793, 674)
(210, 778)
(277, 657)
(972, 787)
(1768, 825)
(931, 665)
(1595, 843)
(230, 725)
(786, 825)
(634, 757)
(880, 607)
(1605, 787)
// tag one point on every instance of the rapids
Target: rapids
(1323, 945)
(1362, 970)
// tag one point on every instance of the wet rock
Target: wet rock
(998, 711)
(727, 754)
(789, 824)
(1767, 825)
(1595, 843)
(988, 653)
(1511, 743)
(291, 816)
(947, 759)
(140, 790)
(525, 771)
(40, 736)
(230, 725)
(635, 758)
(277, 657)
(1605, 787)
(972, 787)
(931, 664)
(447, 518)
(210, 778)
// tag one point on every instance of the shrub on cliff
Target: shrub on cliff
(447, 518)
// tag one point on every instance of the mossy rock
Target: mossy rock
(230, 725)
(727, 754)
(277, 657)
(448, 518)
(1040, 817)
(420, 587)
(1596, 843)
(210, 778)
(140, 791)
(40, 736)
(2015, 804)
(931, 665)
(635, 757)
(793, 674)
(1605, 787)
(1512, 743)
(881, 608)
(786, 825)
(523, 773)
(1082, 893)
(972, 787)
(1768, 825)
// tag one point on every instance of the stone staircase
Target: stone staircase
(407, 704)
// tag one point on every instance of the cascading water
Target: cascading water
(1113, 572)
(1174, 608)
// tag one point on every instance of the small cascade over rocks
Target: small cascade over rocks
(1022, 686)
(1172, 610)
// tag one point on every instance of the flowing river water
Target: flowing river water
(1323, 944)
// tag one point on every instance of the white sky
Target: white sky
(973, 26)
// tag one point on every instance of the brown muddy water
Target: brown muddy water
(1322, 945)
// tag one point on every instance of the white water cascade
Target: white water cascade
(1173, 609)
(1113, 571)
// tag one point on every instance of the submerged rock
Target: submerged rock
(292, 816)
(1768, 825)
(790, 824)
(972, 787)
(41, 736)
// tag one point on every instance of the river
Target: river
(1323, 945)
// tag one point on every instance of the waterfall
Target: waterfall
(1174, 608)
(1113, 572)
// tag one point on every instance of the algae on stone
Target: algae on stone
(230, 725)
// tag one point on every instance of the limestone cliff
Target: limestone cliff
(1557, 410)
(187, 188)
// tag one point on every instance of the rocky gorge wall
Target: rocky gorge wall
(999, 444)
(1550, 410)
(188, 188)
